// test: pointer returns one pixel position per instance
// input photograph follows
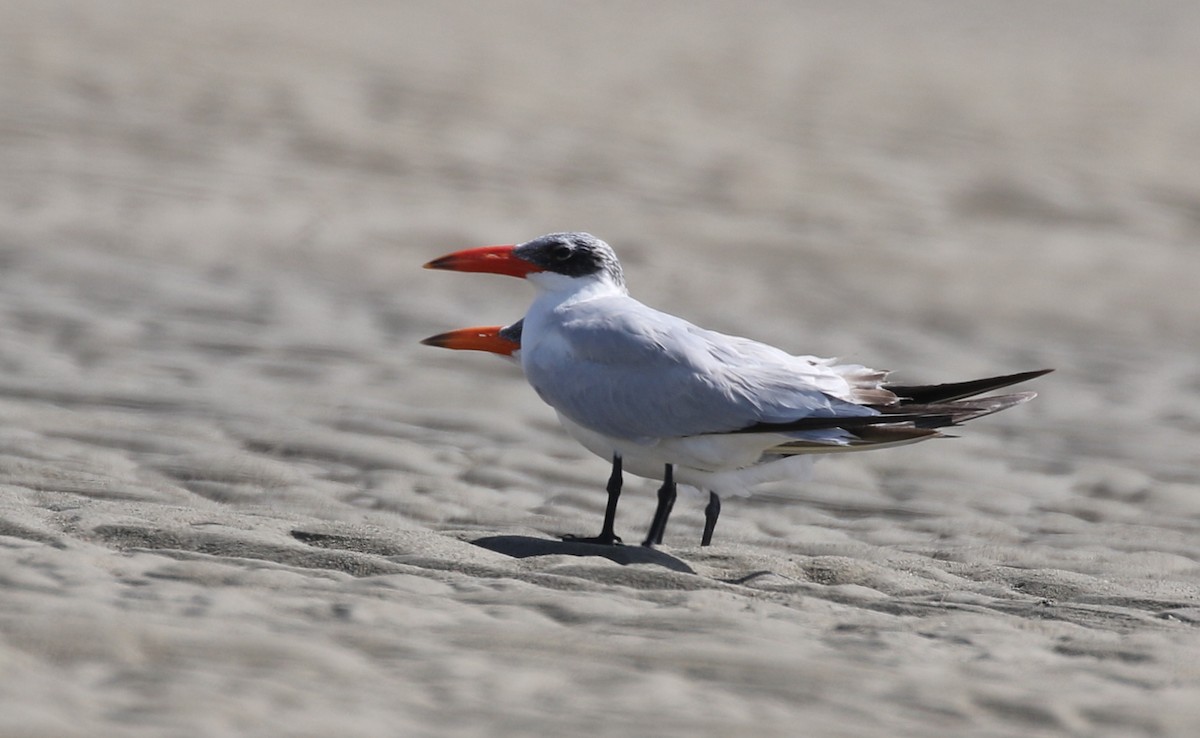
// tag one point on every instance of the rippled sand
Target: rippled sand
(239, 498)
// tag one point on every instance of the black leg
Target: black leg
(669, 502)
(607, 535)
(711, 512)
(666, 500)
(610, 510)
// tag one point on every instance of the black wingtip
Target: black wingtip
(922, 394)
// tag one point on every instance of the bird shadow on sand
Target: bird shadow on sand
(522, 547)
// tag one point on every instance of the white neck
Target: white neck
(555, 291)
(553, 282)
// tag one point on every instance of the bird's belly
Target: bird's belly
(714, 453)
(699, 453)
(696, 463)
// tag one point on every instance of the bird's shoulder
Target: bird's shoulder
(620, 330)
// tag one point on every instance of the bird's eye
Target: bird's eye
(560, 252)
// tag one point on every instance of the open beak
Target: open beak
(490, 259)
(481, 338)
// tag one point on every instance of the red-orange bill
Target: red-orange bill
(488, 259)
(480, 338)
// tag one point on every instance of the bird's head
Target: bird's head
(558, 261)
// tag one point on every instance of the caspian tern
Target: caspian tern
(635, 384)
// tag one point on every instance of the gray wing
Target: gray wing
(625, 370)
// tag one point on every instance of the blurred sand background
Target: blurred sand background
(238, 498)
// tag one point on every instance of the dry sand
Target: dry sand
(238, 498)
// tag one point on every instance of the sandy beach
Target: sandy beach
(237, 497)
